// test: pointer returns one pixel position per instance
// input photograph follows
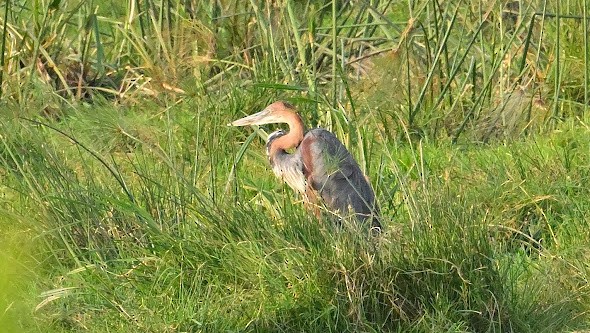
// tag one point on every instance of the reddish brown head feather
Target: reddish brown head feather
(286, 113)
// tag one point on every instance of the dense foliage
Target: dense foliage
(127, 205)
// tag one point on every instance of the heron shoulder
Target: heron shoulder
(323, 140)
(323, 154)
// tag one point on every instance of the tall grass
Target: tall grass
(488, 68)
(149, 214)
(479, 241)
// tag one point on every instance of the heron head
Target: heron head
(277, 112)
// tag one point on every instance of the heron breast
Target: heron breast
(293, 176)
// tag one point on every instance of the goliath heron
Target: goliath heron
(319, 165)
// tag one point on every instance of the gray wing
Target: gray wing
(332, 171)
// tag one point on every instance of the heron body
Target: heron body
(319, 166)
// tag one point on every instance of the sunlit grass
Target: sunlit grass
(127, 204)
(475, 238)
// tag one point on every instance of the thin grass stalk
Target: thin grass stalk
(85, 51)
(408, 74)
(37, 49)
(382, 22)
(312, 89)
(557, 80)
(365, 34)
(375, 25)
(411, 7)
(265, 29)
(477, 103)
(449, 69)
(10, 154)
(527, 43)
(300, 48)
(444, 68)
(413, 112)
(3, 47)
(455, 71)
(406, 190)
(161, 20)
(471, 76)
(161, 46)
(53, 65)
(31, 181)
(334, 55)
(361, 140)
(100, 57)
(542, 14)
(427, 49)
(354, 27)
(136, 42)
(586, 59)
(330, 38)
(437, 34)
(495, 66)
(94, 154)
(142, 24)
(127, 20)
(482, 42)
(169, 19)
(213, 173)
(233, 172)
(504, 71)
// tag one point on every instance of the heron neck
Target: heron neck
(293, 138)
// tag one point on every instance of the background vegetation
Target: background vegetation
(127, 205)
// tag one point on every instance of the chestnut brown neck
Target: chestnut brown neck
(295, 135)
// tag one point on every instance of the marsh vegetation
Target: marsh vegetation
(128, 205)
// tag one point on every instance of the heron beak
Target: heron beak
(260, 118)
